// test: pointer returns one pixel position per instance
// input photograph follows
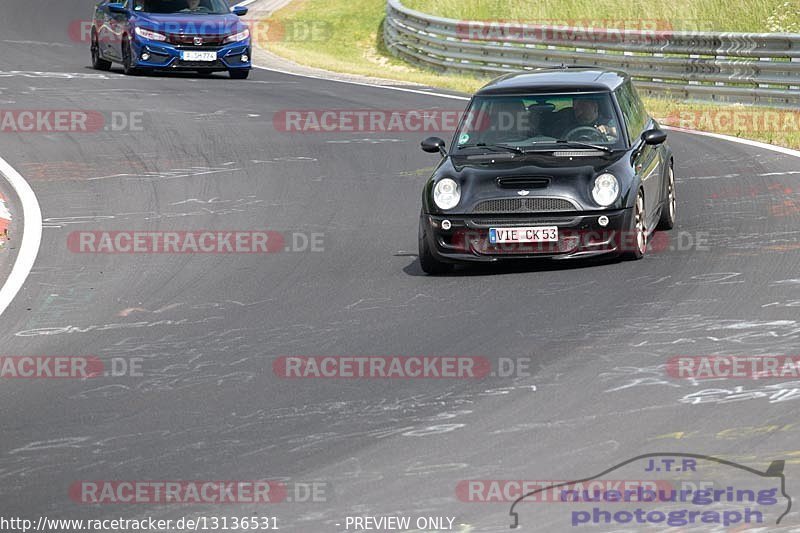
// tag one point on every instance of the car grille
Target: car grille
(200, 64)
(478, 242)
(188, 40)
(524, 205)
(564, 245)
(514, 222)
(203, 48)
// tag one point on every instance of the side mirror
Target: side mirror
(117, 7)
(433, 145)
(239, 11)
(654, 136)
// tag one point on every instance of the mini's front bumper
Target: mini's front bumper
(580, 235)
(166, 56)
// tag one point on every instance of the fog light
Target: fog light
(446, 224)
(245, 58)
(603, 221)
(145, 56)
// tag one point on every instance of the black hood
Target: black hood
(502, 175)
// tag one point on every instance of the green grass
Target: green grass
(711, 15)
(353, 45)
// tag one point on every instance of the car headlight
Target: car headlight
(151, 35)
(606, 189)
(446, 193)
(236, 37)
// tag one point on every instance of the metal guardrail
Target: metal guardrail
(758, 68)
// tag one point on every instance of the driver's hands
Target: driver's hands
(608, 131)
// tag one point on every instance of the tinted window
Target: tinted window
(539, 119)
(218, 7)
(633, 110)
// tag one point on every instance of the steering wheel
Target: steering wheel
(585, 133)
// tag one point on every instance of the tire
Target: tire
(127, 60)
(98, 63)
(427, 261)
(239, 74)
(667, 220)
(638, 228)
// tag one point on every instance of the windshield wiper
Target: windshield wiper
(495, 147)
(585, 145)
(522, 151)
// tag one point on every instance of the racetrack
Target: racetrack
(208, 327)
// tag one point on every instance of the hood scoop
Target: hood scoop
(523, 182)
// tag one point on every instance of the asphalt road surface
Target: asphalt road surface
(206, 329)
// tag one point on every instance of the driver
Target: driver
(192, 5)
(586, 113)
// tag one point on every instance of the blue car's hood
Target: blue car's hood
(188, 24)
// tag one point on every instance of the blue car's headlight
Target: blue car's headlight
(237, 37)
(151, 35)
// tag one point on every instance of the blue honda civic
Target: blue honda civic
(177, 35)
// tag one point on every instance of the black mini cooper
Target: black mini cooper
(555, 163)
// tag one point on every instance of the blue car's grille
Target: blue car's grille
(200, 64)
(203, 48)
(188, 40)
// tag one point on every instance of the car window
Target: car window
(534, 119)
(633, 110)
(217, 7)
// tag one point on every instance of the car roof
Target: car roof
(564, 79)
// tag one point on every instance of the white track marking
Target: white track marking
(5, 214)
(31, 235)
(364, 84)
(748, 142)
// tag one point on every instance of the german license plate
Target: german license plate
(524, 234)
(199, 56)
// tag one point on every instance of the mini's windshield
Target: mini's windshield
(210, 7)
(531, 122)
